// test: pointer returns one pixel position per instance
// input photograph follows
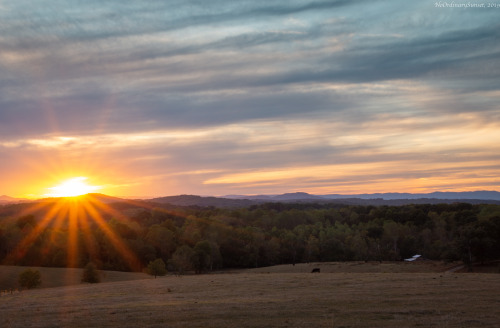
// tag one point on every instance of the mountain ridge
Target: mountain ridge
(476, 195)
(490, 197)
(481, 194)
(473, 197)
(4, 199)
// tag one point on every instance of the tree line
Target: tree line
(202, 239)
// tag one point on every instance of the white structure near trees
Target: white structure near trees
(413, 258)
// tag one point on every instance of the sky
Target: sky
(155, 98)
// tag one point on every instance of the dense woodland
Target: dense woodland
(127, 236)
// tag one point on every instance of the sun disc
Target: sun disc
(72, 187)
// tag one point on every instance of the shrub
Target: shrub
(91, 274)
(157, 268)
(30, 279)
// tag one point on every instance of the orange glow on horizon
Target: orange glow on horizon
(75, 215)
(71, 188)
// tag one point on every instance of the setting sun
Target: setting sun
(72, 187)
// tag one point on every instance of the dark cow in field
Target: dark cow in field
(315, 270)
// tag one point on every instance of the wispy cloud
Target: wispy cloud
(229, 88)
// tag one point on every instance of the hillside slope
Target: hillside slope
(386, 300)
(58, 277)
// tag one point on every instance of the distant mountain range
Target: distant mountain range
(477, 195)
(92, 196)
(482, 195)
(473, 197)
(282, 197)
(193, 200)
(7, 199)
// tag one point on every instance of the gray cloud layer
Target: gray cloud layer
(73, 68)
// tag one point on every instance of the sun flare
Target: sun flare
(72, 187)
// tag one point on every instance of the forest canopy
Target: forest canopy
(129, 235)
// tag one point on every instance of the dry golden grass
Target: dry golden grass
(361, 267)
(57, 277)
(252, 299)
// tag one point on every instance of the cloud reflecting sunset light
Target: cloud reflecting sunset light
(152, 99)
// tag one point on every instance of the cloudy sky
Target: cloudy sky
(156, 98)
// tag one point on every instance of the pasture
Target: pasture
(274, 298)
(57, 277)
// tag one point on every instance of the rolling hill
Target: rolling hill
(4, 199)
(234, 201)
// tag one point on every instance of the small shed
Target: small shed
(413, 258)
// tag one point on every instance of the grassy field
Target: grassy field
(280, 298)
(361, 267)
(57, 277)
